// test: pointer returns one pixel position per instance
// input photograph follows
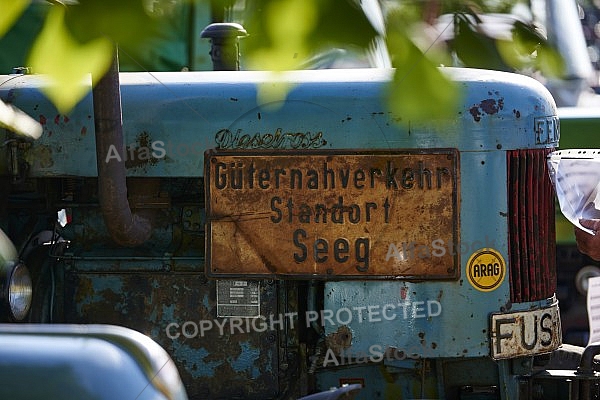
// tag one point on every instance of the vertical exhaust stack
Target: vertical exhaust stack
(124, 227)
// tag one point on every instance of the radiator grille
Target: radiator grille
(531, 234)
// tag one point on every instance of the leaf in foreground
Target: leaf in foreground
(11, 11)
(67, 80)
(419, 91)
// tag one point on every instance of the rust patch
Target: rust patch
(403, 293)
(339, 340)
(487, 106)
(142, 154)
(40, 156)
(491, 106)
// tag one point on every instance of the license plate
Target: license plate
(331, 214)
(525, 333)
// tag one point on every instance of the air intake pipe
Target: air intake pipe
(224, 39)
(125, 228)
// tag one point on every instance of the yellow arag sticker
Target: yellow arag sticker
(486, 269)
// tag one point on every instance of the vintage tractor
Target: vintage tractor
(280, 249)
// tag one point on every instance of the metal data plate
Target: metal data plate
(238, 298)
(333, 214)
(525, 333)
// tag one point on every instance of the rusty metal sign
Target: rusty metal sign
(333, 214)
(525, 333)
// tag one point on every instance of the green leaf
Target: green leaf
(11, 11)
(530, 49)
(341, 23)
(285, 33)
(68, 82)
(550, 62)
(527, 48)
(474, 48)
(419, 91)
(127, 23)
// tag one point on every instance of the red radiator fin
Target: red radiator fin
(531, 237)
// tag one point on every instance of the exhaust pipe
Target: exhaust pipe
(124, 227)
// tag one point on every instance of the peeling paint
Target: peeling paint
(141, 155)
(246, 360)
(339, 340)
(152, 305)
(40, 156)
(197, 367)
(487, 106)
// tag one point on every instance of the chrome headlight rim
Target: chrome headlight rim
(19, 291)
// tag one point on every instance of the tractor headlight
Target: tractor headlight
(15, 283)
(19, 291)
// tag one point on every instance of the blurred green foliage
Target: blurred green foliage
(285, 33)
(523, 48)
(420, 91)
(11, 10)
(76, 38)
(66, 80)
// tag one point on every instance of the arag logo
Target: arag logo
(486, 269)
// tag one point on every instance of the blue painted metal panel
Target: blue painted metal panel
(178, 311)
(428, 319)
(169, 119)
